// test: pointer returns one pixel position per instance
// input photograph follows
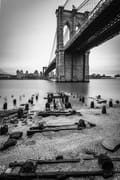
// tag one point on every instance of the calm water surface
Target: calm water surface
(108, 88)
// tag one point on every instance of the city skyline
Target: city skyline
(27, 33)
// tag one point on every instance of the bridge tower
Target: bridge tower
(70, 66)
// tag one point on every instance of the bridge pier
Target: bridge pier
(72, 67)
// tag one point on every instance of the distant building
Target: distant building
(36, 74)
(5, 76)
(41, 75)
(117, 76)
(26, 74)
(99, 76)
(20, 74)
(44, 69)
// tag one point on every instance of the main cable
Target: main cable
(53, 46)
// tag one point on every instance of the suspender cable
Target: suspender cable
(92, 4)
(82, 4)
(65, 3)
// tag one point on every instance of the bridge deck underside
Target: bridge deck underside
(51, 67)
(103, 27)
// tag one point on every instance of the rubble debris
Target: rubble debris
(14, 102)
(59, 157)
(16, 135)
(104, 110)
(106, 164)
(110, 103)
(27, 107)
(28, 167)
(111, 144)
(81, 123)
(20, 113)
(4, 129)
(92, 105)
(8, 143)
(57, 113)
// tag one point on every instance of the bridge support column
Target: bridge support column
(86, 67)
(76, 67)
(70, 66)
(60, 66)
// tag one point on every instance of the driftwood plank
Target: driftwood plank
(111, 144)
(31, 132)
(14, 164)
(56, 174)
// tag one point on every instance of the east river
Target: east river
(22, 90)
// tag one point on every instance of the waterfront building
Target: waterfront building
(36, 74)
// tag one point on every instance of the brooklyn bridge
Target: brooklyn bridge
(78, 31)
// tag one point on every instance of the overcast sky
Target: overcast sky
(27, 29)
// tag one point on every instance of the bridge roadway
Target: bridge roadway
(102, 25)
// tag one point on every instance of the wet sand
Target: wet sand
(71, 144)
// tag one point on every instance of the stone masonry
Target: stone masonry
(70, 66)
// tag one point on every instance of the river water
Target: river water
(22, 90)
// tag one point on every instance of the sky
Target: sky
(27, 29)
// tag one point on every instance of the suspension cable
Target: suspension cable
(66, 2)
(82, 4)
(53, 46)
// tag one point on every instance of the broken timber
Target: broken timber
(57, 113)
(55, 174)
(52, 161)
(29, 169)
(31, 132)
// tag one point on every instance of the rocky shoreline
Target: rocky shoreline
(70, 144)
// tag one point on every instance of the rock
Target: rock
(20, 113)
(111, 144)
(81, 124)
(4, 129)
(5, 106)
(111, 103)
(83, 99)
(117, 102)
(8, 143)
(16, 135)
(41, 126)
(92, 104)
(27, 107)
(68, 105)
(59, 157)
(99, 97)
(104, 110)
(13, 120)
(105, 162)
(14, 102)
(28, 167)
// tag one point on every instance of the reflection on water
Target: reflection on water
(75, 88)
(108, 88)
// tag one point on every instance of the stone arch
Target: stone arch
(66, 32)
(65, 69)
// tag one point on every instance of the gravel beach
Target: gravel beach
(70, 144)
